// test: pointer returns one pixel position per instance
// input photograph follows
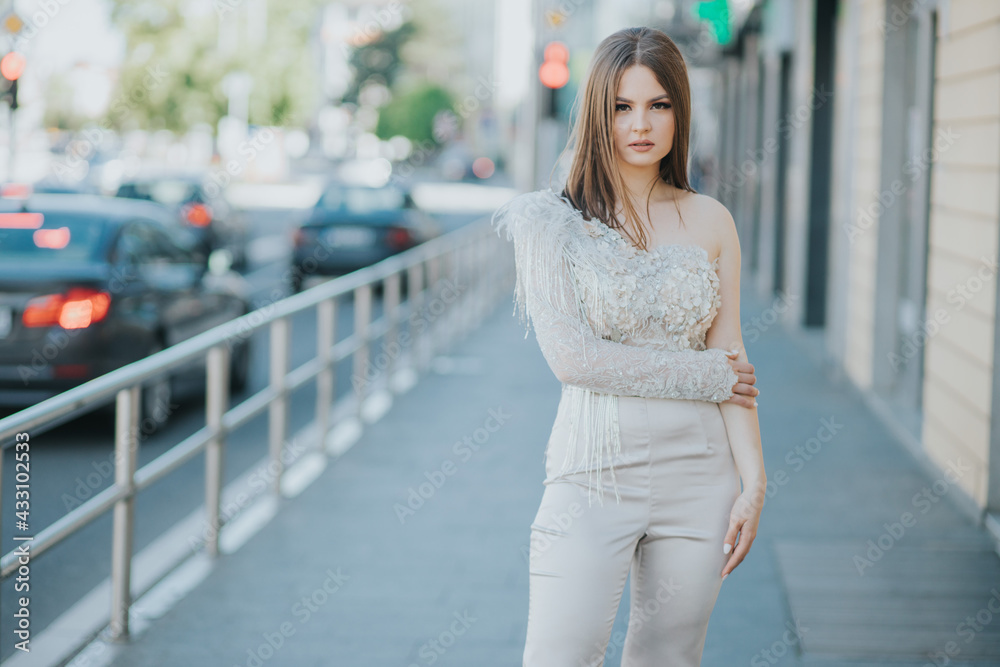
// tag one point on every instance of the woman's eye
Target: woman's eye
(624, 107)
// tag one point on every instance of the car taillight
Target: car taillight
(198, 215)
(76, 309)
(66, 371)
(399, 237)
(16, 190)
(24, 220)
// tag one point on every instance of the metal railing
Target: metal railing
(471, 257)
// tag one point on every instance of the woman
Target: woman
(637, 328)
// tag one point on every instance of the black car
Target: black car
(353, 226)
(91, 283)
(199, 206)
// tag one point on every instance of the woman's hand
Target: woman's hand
(743, 520)
(744, 393)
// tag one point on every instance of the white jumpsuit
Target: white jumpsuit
(639, 420)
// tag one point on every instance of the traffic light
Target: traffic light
(11, 67)
(553, 73)
(10, 95)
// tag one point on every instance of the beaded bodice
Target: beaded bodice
(665, 298)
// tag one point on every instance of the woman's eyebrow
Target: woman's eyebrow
(628, 101)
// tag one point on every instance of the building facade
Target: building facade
(860, 157)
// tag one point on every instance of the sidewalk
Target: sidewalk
(346, 574)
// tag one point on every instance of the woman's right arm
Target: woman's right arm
(546, 292)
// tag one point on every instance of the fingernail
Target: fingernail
(724, 577)
(755, 402)
(726, 548)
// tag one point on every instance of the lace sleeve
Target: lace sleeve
(546, 292)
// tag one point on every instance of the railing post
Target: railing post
(278, 409)
(433, 289)
(326, 320)
(460, 270)
(1, 484)
(390, 309)
(451, 268)
(362, 318)
(216, 403)
(466, 305)
(482, 279)
(469, 303)
(489, 277)
(126, 444)
(485, 279)
(498, 256)
(415, 295)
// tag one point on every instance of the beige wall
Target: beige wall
(842, 180)
(965, 203)
(796, 203)
(863, 239)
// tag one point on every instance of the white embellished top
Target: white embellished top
(611, 319)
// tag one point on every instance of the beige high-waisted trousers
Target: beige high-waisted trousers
(678, 482)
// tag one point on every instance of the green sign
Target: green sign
(716, 14)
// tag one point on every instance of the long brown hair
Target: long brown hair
(594, 182)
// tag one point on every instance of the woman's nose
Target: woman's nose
(640, 121)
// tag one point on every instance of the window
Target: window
(145, 242)
(171, 192)
(362, 200)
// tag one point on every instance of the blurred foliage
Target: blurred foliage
(412, 114)
(172, 74)
(378, 61)
(436, 53)
(417, 63)
(59, 112)
(178, 53)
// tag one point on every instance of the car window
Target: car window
(164, 248)
(62, 237)
(145, 242)
(132, 246)
(362, 200)
(170, 192)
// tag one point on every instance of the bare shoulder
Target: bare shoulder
(716, 218)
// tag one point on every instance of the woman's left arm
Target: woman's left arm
(742, 426)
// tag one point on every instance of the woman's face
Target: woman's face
(643, 112)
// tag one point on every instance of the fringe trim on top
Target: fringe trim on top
(550, 260)
(597, 413)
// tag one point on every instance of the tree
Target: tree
(412, 114)
(378, 61)
(171, 77)
(414, 62)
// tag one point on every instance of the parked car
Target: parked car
(353, 226)
(199, 206)
(53, 185)
(90, 283)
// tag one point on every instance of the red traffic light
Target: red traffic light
(12, 65)
(557, 51)
(554, 72)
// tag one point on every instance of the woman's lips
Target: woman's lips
(642, 148)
